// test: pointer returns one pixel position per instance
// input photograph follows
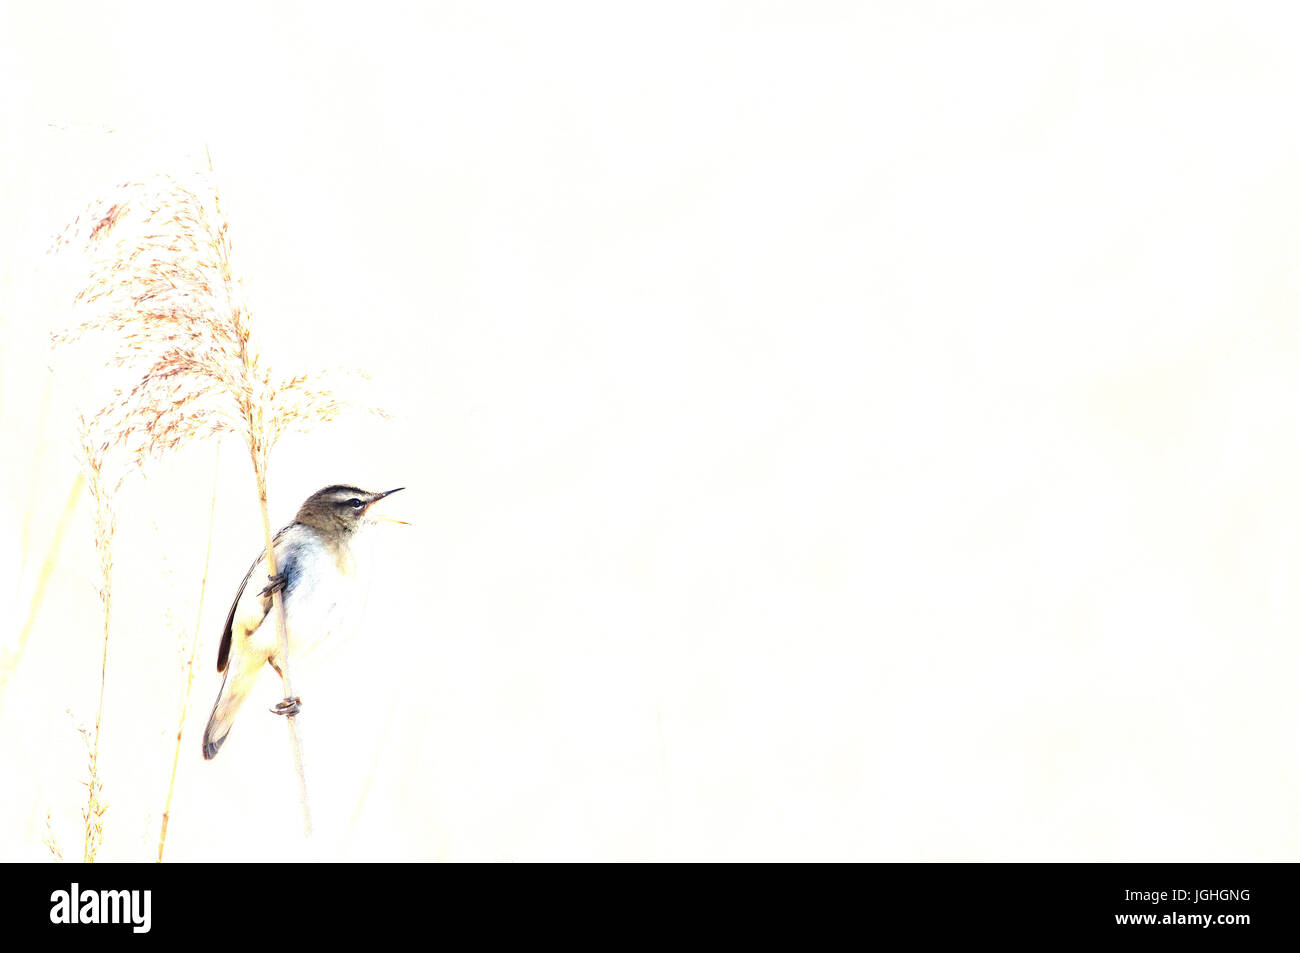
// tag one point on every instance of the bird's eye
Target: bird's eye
(354, 503)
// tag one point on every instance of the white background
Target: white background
(831, 430)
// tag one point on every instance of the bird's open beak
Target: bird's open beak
(386, 519)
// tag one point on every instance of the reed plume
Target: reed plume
(161, 284)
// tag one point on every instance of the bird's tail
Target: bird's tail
(223, 714)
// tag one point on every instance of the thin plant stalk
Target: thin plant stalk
(282, 628)
(35, 467)
(43, 580)
(105, 529)
(259, 438)
(94, 808)
(93, 812)
(189, 664)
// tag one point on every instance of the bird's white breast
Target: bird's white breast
(325, 592)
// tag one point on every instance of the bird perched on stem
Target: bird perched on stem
(321, 587)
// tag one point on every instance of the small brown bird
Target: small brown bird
(321, 587)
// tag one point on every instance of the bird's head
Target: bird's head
(341, 510)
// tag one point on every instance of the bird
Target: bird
(322, 589)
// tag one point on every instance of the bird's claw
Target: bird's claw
(287, 706)
(275, 585)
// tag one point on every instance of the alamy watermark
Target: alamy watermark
(102, 906)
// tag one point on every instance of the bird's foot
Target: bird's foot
(275, 585)
(287, 706)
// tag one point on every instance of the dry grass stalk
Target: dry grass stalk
(104, 483)
(50, 841)
(93, 813)
(188, 663)
(36, 471)
(9, 660)
(163, 286)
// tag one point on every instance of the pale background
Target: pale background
(832, 430)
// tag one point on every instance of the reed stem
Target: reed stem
(282, 628)
(194, 648)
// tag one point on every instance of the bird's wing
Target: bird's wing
(224, 652)
(251, 619)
